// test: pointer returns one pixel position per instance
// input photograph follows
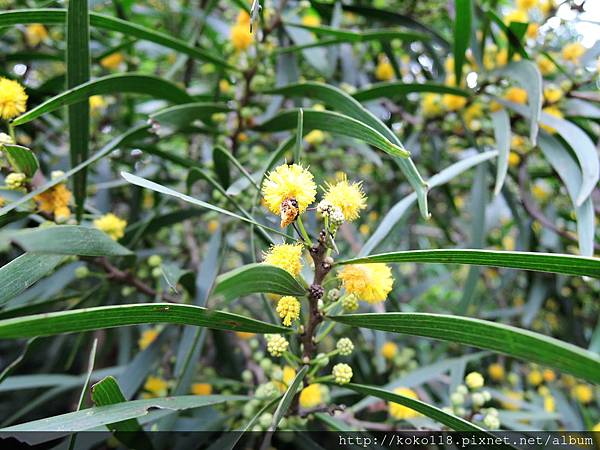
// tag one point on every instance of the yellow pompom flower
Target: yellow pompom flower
(112, 225)
(518, 15)
(315, 137)
(147, 338)
(583, 393)
(516, 95)
(288, 309)
(96, 103)
(55, 201)
(112, 61)
(514, 159)
(535, 378)
(201, 389)
(312, 395)
(496, 371)
(13, 99)
(369, 282)
(285, 256)
(474, 380)
(526, 4)
(156, 387)
(240, 35)
(572, 52)
(288, 375)
(389, 350)
(431, 104)
(532, 30)
(35, 34)
(546, 66)
(287, 183)
(401, 412)
(349, 197)
(453, 102)
(552, 94)
(342, 373)
(384, 70)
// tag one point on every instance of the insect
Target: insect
(289, 211)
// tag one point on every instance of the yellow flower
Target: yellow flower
(518, 15)
(201, 389)
(553, 111)
(583, 393)
(289, 182)
(400, 412)
(472, 113)
(496, 371)
(240, 35)
(35, 34)
(286, 256)
(156, 386)
(389, 350)
(384, 70)
(552, 94)
(546, 66)
(572, 52)
(288, 309)
(532, 30)
(474, 380)
(516, 95)
(315, 137)
(535, 377)
(13, 99)
(55, 201)
(2, 202)
(311, 396)
(369, 282)
(244, 335)
(349, 197)
(596, 428)
(112, 61)
(431, 104)
(288, 375)
(546, 6)
(453, 102)
(526, 4)
(147, 338)
(549, 375)
(514, 159)
(549, 404)
(97, 102)
(111, 225)
(311, 20)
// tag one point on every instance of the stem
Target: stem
(11, 131)
(303, 232)
(326, 332)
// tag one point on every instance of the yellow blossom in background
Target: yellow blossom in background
(369, 282)
(13, 99)
(431, 104)
(496, 372)
(212, 225)
(288, 375)
(514, 159)
(553, 111)
(311, 20)
(55, 201)
(532, 30)
(288, 309)
(552, 94)
(546, 66)
(453, 102)
(364, 229)
(35, 34)
(401, 412)
(517, 15)
(583, 393)
(112, 61)
(474, 380)
(596, 428)
(572, 52)
(315, 137)
(245, 335)
(156, 386)
(526, 4)
(384, 70)
(112, 225)
(549, 403)
(96, 103)
(389, 350)
(472, 113)
(549, 375)
(2, 202)
(201, 389)
(286, 256)
(240, 35)
(516, 95)
(535, 378)
(147, 338)
(289, 182)
(546, 6)
(349, 197)
(311, 396)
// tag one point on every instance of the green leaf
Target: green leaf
(453, 422)
(501, 124)
(221, 166)
(21, 159)
(101, 317)
(109, 85)
(13, 365)
(91, 418)
(537, 262)
(78, 73)
(513, 39)
(462, 35)
(336, 123)
(394, 89)
(527, 74)
(58, 16)
(255, 278)
(286, 401)
(107, 392)
(505, 339)
(299, 134)
(24, 271)
(179, 116)
(69, 240)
